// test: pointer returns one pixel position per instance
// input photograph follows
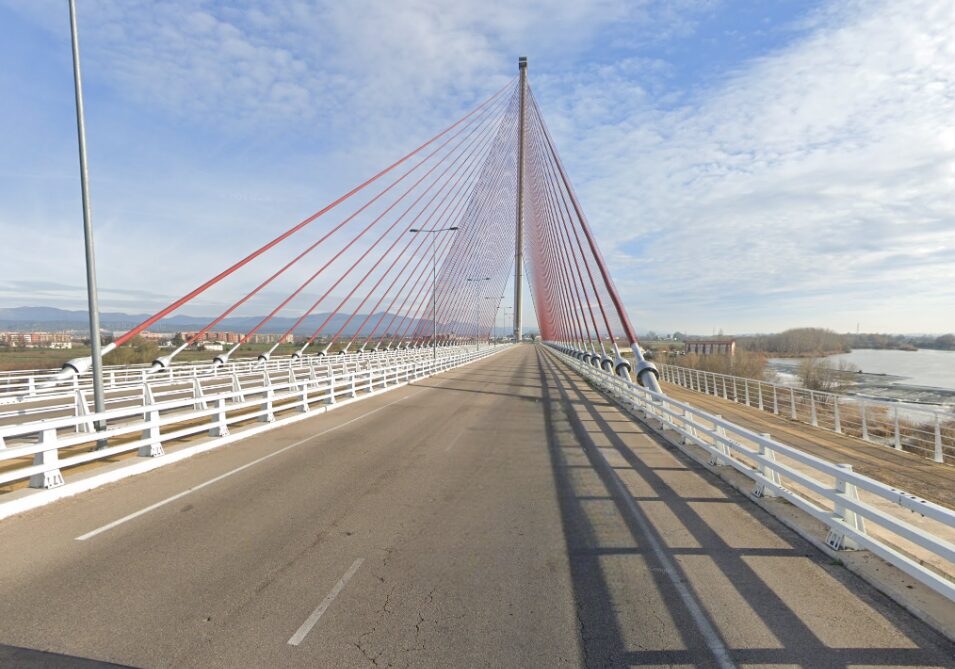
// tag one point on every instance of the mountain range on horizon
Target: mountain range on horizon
(25, 319)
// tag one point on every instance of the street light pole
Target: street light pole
(434, 288)
(99, 400)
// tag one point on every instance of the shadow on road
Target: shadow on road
(765, 595)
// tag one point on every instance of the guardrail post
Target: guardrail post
(52, 477)
(197, 394)
(813, 420)
(237, 389)
(767, 471)
(898, 434)
(939, 456)
(719, 444)
(688, 425)
(220, 427)
(775, 401)
(154, 448)
(81, 408)
(836, 539)
(331, 387)
(792, 403)
(725, 395)
(746, 386)
(354, 388)
(835, 414)
(31, 385)
(865, 420)
(759, 392)
(269, 415)
(305, 408)
(292, 380)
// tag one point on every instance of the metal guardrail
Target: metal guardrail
(18, 385)
(125, 384)
(903, 427)
(145, 424)
(825, 491)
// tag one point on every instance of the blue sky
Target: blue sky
(748, 166)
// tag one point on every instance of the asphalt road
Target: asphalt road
(499, 515)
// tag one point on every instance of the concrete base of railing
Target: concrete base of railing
(26, 499)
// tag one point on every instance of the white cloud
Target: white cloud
(812, 186)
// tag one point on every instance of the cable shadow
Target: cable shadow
(647, 598)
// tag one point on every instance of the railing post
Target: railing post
(759, 392)
(354, 388)
(237, 389)
(197, 394)
(813, 420)
(766, 470)
(153, 448)
(269, 415)
(725, 394)
(688, 425)
(50, 457)
(775, 401)
(865, 420)
(81, 408)
(898, 434)
(792, 403)
(939, 456)
(836, 539)
(719, 444)
(220, 428)
(331, 387)
(835, 414)
(746, 386)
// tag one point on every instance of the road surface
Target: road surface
(499, 515)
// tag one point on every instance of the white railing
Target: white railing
(126, 384)
(16, 386)
(911, 533)
(41, 450)
(907, 427)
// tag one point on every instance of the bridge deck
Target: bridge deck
(907, 471)
(501, 514)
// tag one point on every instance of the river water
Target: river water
(924, 376)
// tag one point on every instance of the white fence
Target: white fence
(911, 533)
(903, 427)
(154, 418)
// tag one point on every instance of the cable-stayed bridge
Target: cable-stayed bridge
(406, 488)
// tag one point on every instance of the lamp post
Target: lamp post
(434, 287)
(99, 401)
(477, 306)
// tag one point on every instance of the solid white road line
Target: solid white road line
(153, 507)
(309, 623)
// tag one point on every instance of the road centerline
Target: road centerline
(320, 610)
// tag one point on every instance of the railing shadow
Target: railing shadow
(29, 658)
(628, 558)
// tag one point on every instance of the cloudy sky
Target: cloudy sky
(747, 166)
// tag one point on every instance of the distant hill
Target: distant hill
(25, 319)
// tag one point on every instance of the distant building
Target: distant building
(37, 339)
(711, 346)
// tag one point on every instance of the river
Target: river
(916, 376)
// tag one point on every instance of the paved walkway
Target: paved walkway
(499, 515)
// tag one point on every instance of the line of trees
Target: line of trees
(797, 342)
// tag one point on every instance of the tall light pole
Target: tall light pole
(477, 305)
(519, 227)
(99, 401)
(434, 287)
